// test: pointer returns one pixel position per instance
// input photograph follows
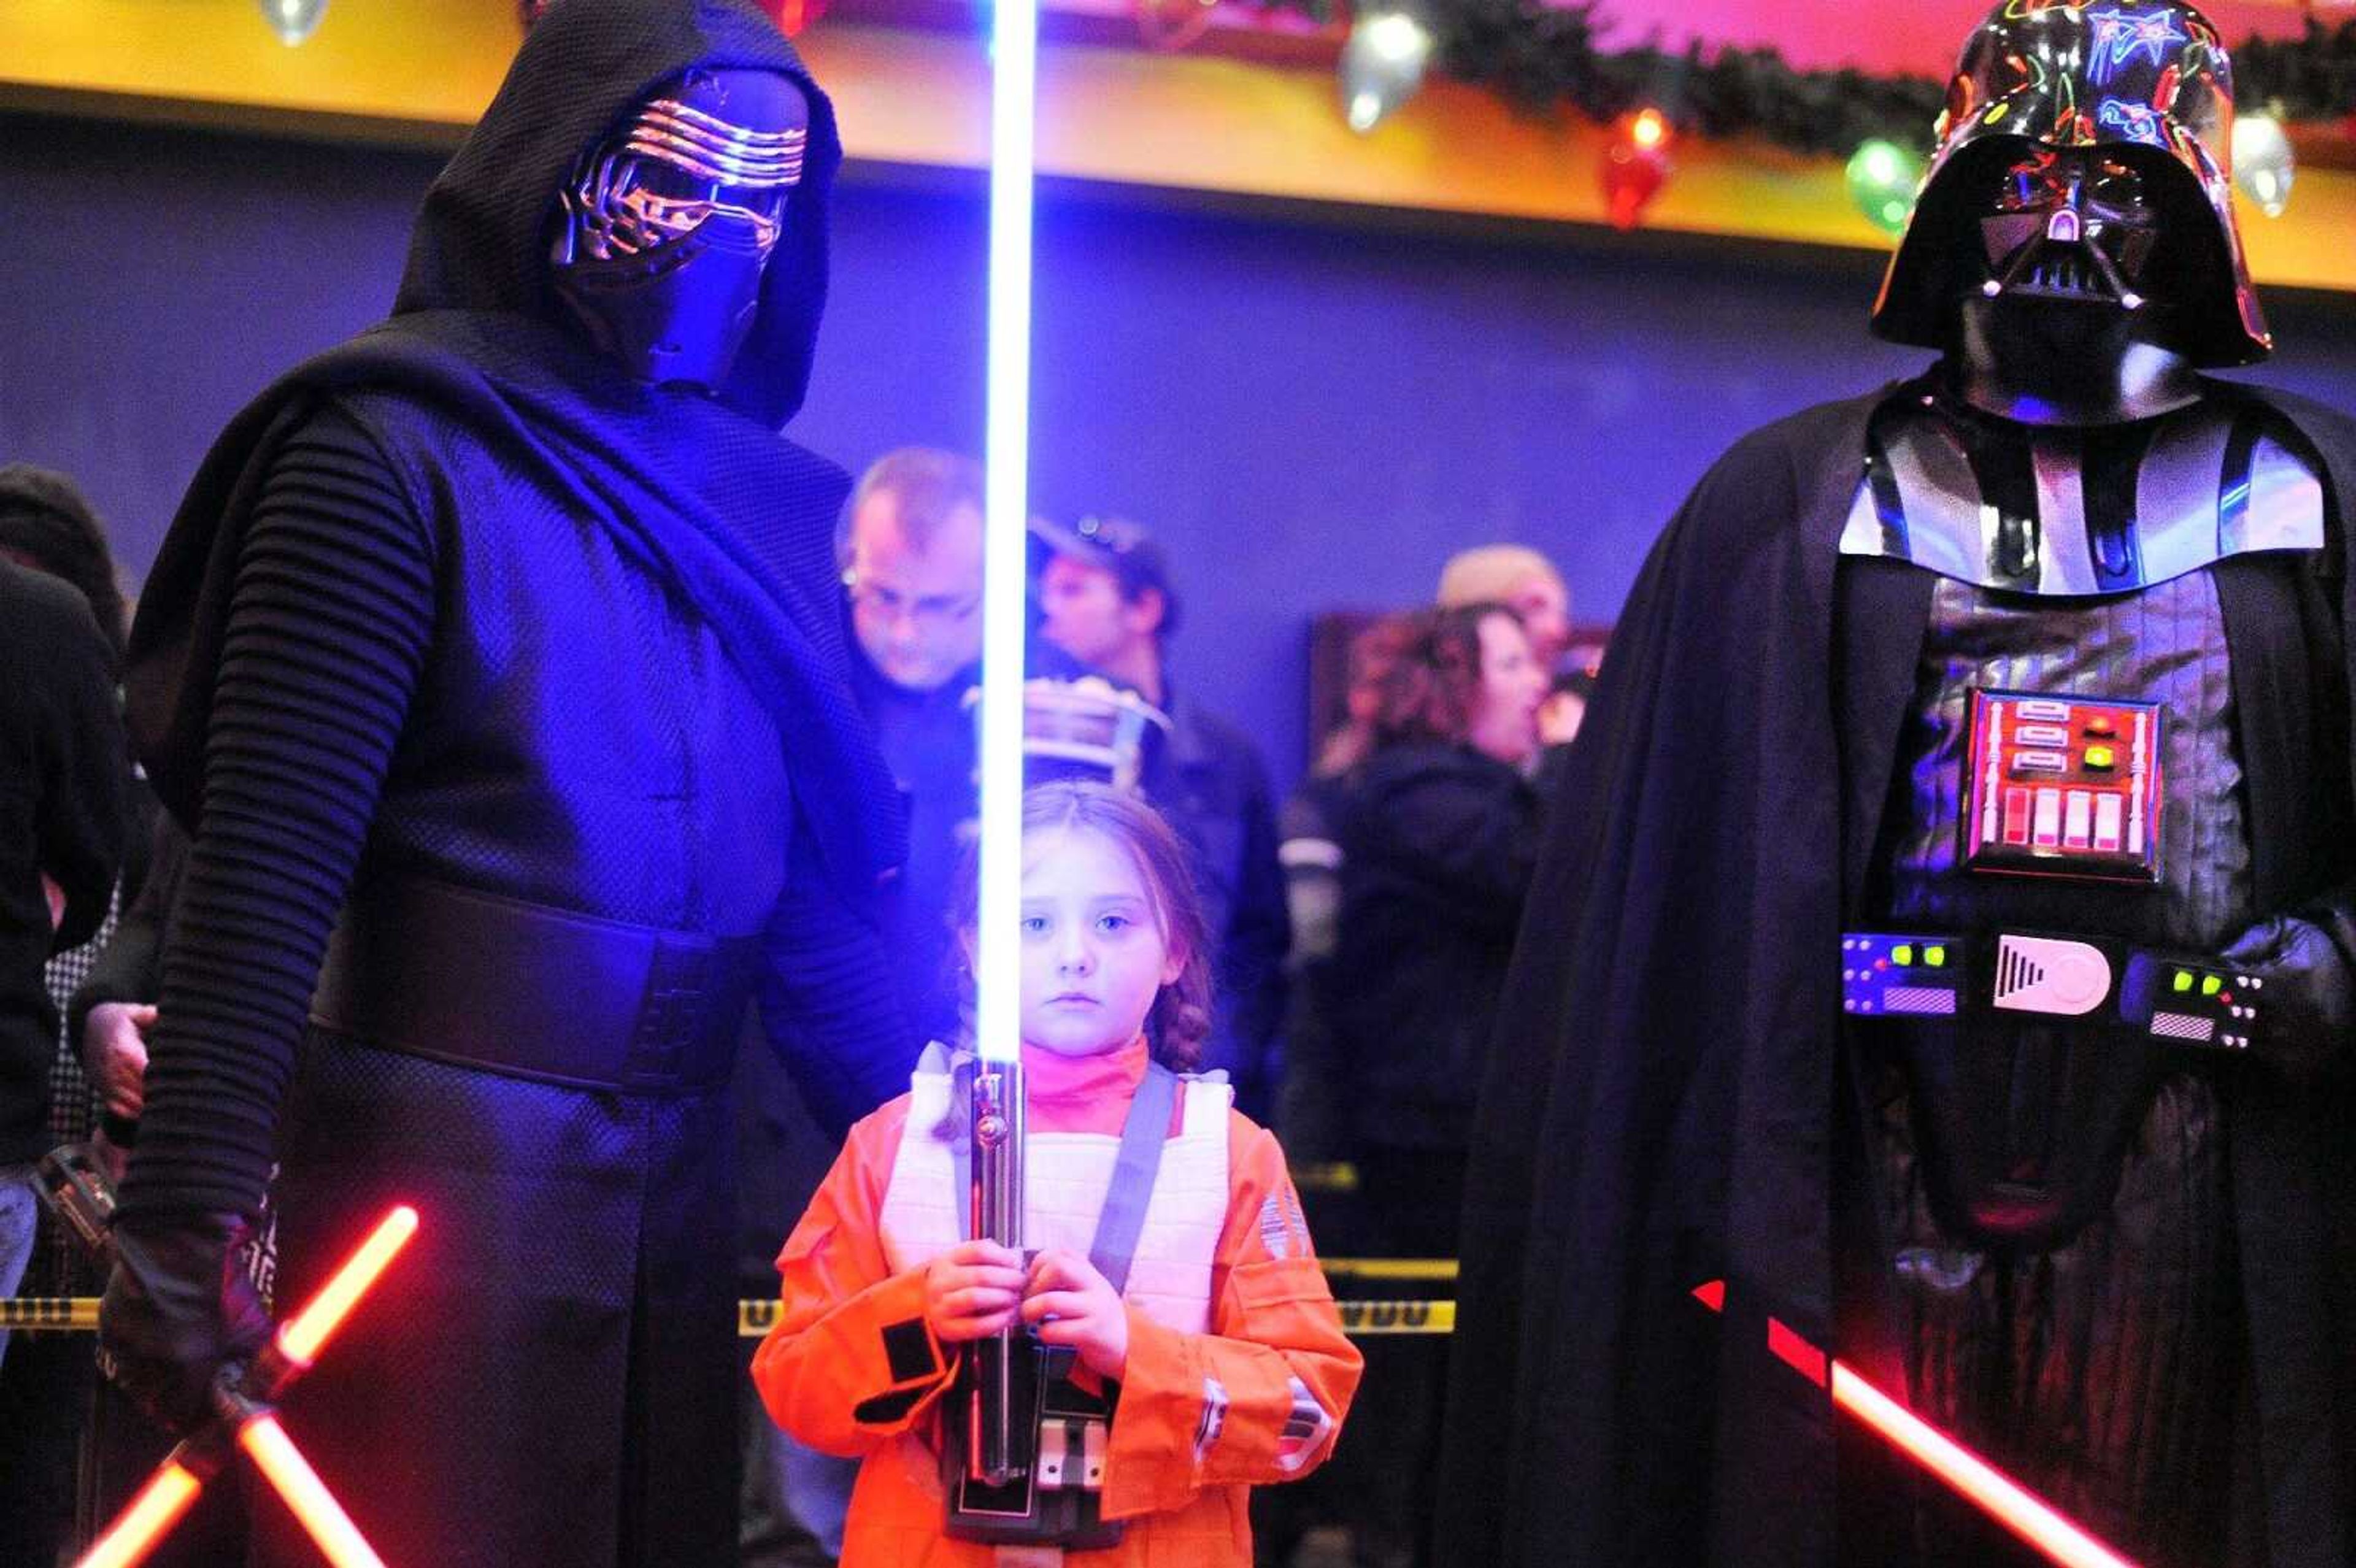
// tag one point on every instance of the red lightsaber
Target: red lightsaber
(1997, 1495)
(175, 1486)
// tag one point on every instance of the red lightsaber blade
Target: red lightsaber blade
(274, 1455)
(152, 1513)
(2003, 1499)
(301, 1336)
(160, 1503)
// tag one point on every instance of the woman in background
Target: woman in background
(1437, 828)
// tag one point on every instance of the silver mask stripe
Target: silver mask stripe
(2064, 556)
(712, 149)
(713, 126)
(610, 222)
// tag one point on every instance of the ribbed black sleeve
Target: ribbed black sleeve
(327, 628)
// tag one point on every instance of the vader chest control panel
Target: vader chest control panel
(2063, 786)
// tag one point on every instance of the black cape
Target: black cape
(477, 336)
(1665, 1103)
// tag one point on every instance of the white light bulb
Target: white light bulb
(1382, 65)
(293, 20)
(2263, 164)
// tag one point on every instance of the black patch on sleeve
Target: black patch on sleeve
(908, 1350)
(886, 1408)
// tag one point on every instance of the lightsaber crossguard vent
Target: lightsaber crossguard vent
(244, 1417)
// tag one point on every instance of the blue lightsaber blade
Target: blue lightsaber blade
(1016, 40)
(997, 1453)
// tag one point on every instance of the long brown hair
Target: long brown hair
(1427, 674)
(1179, 1020)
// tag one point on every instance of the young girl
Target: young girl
(1227, 1351)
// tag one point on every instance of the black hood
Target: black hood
(481, 242)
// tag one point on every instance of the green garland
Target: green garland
(1543, 59)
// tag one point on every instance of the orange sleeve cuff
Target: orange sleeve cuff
(867, 1371)
(1151, 1461)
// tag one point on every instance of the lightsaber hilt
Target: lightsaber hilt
(242, 1417)
(1000, 1444)
(75, 1187)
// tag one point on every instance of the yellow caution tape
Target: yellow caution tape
(79, 1314)
(1364, 1318)
(1389, 1268)
(33, 1314)
(1335, 1176)
(755, 1319)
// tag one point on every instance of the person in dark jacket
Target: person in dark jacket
(910, 553)
(493, 665)
(1106, 599)
(47, 525)
(1438, 830)
(61, 829)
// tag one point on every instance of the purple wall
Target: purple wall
(1312, 413)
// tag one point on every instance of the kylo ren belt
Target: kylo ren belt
(468, 978)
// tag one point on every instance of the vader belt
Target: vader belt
(521, 989)
(2031, 1059)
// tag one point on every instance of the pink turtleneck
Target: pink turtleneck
(1087, 1093)
(1082, 1093)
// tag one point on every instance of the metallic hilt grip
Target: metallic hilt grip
(1001, 1434)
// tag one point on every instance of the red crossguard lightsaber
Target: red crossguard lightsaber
(1997, 1495)
(175, 1486)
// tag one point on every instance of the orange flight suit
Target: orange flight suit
(851, 1368)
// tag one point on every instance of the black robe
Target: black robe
(1666, 1103)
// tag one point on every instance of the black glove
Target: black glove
(2308, 1005)
(179, 1311)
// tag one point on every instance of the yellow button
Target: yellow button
(1936, 957)
(1903, 954)
(2102, 757)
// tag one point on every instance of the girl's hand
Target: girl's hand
(973, 1289)
(1074, 1305)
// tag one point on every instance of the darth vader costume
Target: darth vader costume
(493, 663)
(1949, 957)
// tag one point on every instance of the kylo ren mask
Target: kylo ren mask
(669, 220)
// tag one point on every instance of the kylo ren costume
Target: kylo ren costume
(1949, 952)
(493, 663)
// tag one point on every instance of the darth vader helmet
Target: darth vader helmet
(2084, 155)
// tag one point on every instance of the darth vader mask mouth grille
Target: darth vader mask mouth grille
(2069, 227)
